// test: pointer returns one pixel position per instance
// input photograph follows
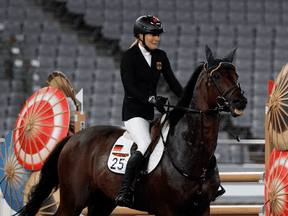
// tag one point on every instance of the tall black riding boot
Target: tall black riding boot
(126, 193)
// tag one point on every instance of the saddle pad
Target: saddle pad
(120, 153)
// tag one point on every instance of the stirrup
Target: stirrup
(125, 198)
(219, 193)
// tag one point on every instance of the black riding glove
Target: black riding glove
(159, 103)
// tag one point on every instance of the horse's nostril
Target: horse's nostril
(240, 103)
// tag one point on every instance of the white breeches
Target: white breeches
(139, 130)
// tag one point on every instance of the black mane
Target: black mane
(176, 114)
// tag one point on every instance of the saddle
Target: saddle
(122, 148)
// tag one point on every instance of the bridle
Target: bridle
(217, 109)
(222, 102)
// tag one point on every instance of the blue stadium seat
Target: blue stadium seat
(183, 17)
(207, 31)
(47, 62)
(117, 99)
(100, 100)
(255, 6)
(187, 52)
(225, 43)
(254, 18)
(46, 50)
(2, 15)
(278, 65)
(219, 6)
(32, 27)
(219, 17)
(111, 30)
(236, 17)
(131, 5)
(125, 41)
(94, 4)
(258, 129)
(226, 31)
(34, 14)
(260, 89)
(245, 42)
(84, 74)
(116, 114)
(4, 87)
(16, 14)
(105, 62)
(271, 18)
(201, 6)
(17, 99)
(148, 5)
(168, 18)
(280, 43)
(104, 74)
(201, 17)
(262, 53)
(86, 85)
(68, 39)
(17, 4)
(99, 113)
(67, 50)
(94, 17)
(87, 51)
(4, 3)
(281, 54)
(30, 51)
(83, 62)
(12, 26)
(76, 6)
(17, 86)
(100, 87)
(52, 27)
(66, 65)
(272, 6)
(118, 88)
(10, 123)
(49, 38)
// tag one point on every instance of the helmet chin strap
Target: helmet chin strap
(144, 43)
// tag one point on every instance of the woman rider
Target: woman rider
(141, 66)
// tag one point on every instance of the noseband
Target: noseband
(222, 103)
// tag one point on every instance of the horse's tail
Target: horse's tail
(49, 180)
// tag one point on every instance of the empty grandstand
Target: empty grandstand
(85, 38)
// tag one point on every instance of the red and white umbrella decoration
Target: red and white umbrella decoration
(42, 123)
(276, 184)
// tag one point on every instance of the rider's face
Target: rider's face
(151, 40)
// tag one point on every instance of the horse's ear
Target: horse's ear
(209, 55)
(230, 55)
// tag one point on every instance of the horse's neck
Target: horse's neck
(196, 137)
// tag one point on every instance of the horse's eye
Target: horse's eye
(215, 75)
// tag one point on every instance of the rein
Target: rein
(217, 109)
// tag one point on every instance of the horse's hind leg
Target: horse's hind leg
(100, 205)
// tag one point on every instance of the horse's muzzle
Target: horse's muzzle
(237, 106)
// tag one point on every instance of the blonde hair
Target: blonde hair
(135, 42)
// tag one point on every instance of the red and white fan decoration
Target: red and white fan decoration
(276, 184)
(42, 123)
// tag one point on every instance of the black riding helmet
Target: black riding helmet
(147, 24)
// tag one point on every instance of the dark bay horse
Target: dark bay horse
(186, 180)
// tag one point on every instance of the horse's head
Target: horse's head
(222, 82)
